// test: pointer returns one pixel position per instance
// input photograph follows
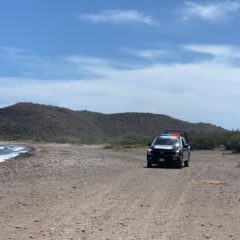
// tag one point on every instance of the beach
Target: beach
(86, 192)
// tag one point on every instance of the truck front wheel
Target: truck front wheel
(149, 163)
(179, 162)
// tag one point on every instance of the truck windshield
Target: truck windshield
(165, 141)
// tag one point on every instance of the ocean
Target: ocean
(8, 151)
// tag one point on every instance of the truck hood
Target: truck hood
(163, 147)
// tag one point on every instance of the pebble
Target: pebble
(20, 227)
(238, 164)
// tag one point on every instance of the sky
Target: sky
(179, 58)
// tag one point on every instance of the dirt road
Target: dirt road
(70, 192)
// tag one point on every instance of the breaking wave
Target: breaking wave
(11, 151)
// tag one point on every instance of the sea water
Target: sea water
(10, 151)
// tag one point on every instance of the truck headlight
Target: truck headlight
(177, 151)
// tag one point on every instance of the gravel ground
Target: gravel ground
(85, 192)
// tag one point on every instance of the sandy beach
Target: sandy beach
(86, 192)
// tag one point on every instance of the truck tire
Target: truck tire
(186, 163)
(179, 162)
(149, 163)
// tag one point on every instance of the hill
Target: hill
(28, 121)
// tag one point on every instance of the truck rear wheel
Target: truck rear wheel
(186, 163)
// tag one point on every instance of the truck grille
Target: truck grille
(159, 153)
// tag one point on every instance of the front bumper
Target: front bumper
(158, 155)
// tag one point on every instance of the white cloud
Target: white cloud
(206, 91)
(202, 91)
(11, 50)
(150, 54)
(219, 52)
(21, 56)
(215, 11)
(119, 17)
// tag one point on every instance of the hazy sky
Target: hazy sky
(180, 58)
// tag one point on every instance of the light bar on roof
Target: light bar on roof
(170, 135)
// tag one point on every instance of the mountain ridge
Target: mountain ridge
(30, 121)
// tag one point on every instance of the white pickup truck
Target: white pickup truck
(170, 147)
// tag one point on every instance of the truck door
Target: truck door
(185, 150)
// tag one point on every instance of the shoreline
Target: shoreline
(26, 151)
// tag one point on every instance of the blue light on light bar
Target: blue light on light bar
(165, 134)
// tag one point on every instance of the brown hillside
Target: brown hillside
(48, 123)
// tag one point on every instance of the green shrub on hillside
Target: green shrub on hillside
(127, 142)
(198, 141)
(206, 141)
(233, 142)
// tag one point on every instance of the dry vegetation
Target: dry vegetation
(40, 123)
